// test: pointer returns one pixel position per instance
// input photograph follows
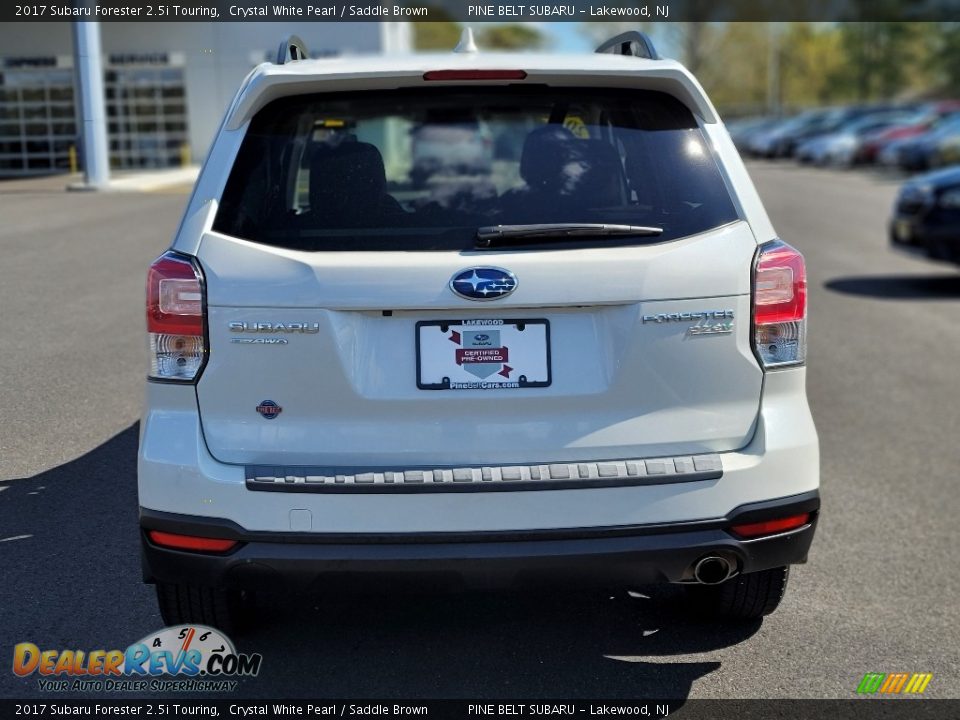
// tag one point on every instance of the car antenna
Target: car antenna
(467, 43)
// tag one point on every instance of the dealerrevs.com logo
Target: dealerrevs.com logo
(200, 658)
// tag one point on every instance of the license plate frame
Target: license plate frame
(483, 375)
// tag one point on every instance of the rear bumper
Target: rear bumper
(613, 555)
(177, 475)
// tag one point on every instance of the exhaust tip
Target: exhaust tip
(712, 570)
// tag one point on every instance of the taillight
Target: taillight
(175, 319)
(779, 305)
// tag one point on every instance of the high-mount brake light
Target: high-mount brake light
(475, 75)
(175, 320)
(779, 305)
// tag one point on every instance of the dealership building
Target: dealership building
(166, 85)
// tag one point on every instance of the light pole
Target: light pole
(773, 71)
(89, 72)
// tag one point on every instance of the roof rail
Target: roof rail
(633, 43)
(292, 48)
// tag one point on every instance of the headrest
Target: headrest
(544, 153)
(349, 172)
(556, 161)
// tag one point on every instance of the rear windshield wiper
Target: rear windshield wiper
(494, 235)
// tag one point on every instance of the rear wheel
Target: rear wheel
(744, 597)
(181, 604)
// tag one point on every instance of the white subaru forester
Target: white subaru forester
(578, 357)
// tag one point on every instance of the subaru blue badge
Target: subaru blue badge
(483, 283)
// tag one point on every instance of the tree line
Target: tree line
(750, 67)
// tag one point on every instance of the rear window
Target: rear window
(424, 169)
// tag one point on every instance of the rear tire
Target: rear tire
(742, 598)
(182, 604)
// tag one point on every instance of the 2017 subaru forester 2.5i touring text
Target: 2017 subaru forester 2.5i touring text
(584, 360)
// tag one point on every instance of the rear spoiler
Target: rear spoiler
(264, 87)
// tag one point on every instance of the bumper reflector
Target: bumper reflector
(189, 542)
(771, 527)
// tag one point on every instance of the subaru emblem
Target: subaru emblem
(483, 283)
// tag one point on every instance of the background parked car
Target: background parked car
(946, 150)
(744, 130)
(926, 119)
(782, 139)
(926, 216)
(842, 146)
(916, 153)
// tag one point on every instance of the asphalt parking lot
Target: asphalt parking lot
(879, 595)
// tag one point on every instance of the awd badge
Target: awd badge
(269, 409)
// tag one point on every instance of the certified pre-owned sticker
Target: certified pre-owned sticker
(493, 354)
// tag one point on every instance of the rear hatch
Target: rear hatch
(355, 318)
